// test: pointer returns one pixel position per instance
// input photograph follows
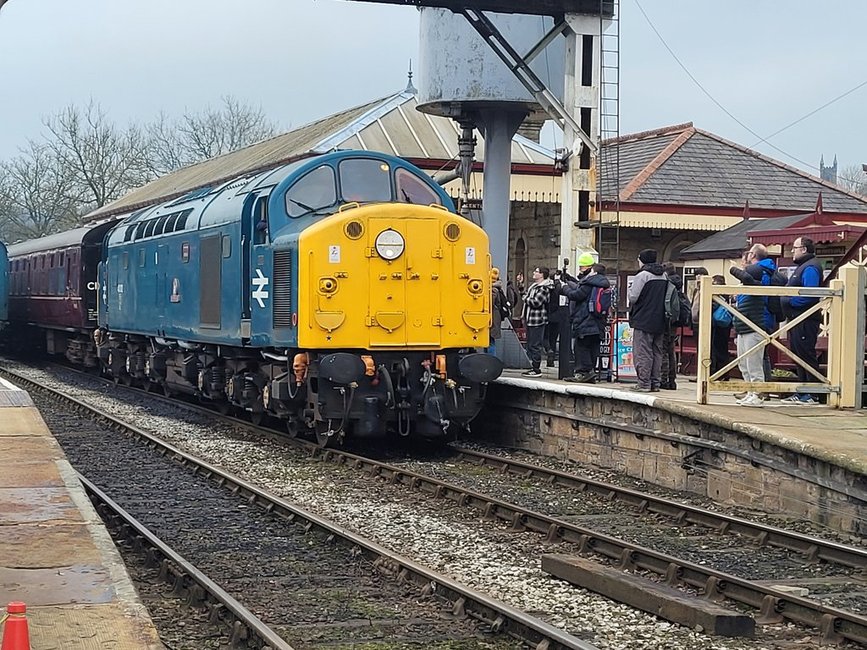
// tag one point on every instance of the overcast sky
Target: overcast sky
(767, 63)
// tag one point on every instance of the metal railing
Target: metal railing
(842, 308)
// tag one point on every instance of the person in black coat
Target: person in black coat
(647, 317)
(587, 326)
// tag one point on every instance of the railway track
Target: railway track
(771, 604)
(313, 583)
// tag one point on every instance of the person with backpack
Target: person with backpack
(680, 311)
(500, 309)
(648, 317)
(589, 304)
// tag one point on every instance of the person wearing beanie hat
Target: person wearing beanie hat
(646, 300)
(499, 309)
(585, 260)
(587, 325)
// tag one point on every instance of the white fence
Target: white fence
(842, 309)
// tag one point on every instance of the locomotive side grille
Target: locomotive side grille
(282, 289)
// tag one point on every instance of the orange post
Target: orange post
(16, 636)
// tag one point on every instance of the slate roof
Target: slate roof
(734, 240)
(683, 165)
(391, 125)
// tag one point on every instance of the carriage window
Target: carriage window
(313, 191)
(412, 189)
(364, 180)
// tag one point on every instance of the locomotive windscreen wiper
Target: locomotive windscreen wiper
(307, 209)
(405, 195)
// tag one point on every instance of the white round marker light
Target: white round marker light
(389, 244)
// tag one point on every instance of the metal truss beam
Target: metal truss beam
(521, 69)
(531, 7)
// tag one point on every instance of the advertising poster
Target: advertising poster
(623, 354)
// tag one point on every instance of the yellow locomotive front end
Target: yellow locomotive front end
(394, 304)
(394, 277)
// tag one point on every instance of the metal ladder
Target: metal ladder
(608, 160)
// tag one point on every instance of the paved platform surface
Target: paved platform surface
(836, 436)
(55, 554)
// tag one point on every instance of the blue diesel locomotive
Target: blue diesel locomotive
(338, 293)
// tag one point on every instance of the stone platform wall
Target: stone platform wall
(675, 451)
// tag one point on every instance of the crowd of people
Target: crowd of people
(657, 308)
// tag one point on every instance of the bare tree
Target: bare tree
(205, 134)
(854, 179)
(104, 160)
(38, 195)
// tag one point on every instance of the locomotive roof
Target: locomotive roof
(65, 239)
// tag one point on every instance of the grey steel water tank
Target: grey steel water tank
(459, 72)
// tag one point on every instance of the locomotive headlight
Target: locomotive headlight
(389, 244)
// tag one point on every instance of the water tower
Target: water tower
(461, 77)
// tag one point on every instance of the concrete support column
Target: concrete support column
(581, 100)
(498, 127)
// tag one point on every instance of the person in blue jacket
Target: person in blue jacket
(803, 336)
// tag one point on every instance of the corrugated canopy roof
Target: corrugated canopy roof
(391, 125)
(683, 165)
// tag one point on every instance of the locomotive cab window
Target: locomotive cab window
(364, 180)
(313, 191)
(412, 189)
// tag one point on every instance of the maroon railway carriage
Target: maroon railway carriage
(53, 291)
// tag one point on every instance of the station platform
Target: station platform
(835, 436)
(55, 554)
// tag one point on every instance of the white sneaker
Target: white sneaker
(752, 399)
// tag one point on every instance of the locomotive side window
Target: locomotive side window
(313, 191)
(227, 246)
(141, 256)
(364, 180)
(412, 189)
(125, 260)
(185, 252)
